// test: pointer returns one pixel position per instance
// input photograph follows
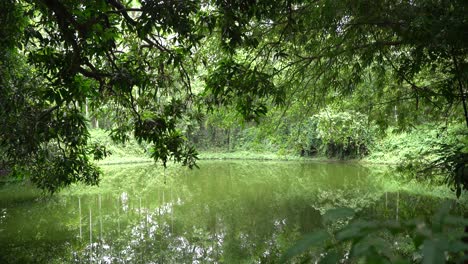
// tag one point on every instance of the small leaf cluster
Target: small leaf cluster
(436, 241)
(247, 89)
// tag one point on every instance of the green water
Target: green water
(224, 212)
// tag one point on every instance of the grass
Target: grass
(238, 155)
(252, 155)
(247, 155)
(234, 155)
(117, 160)
(132, 152)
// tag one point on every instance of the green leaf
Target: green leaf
(372, 243)
(439, 218)
(418, 240)
(337, 214)
(330, 258)
(356, 230)
(457, 246)
(401, 261)
(314, 239)
(433, 252)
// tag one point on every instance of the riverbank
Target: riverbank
(394, 181)
(237, 155)
(249, 155)
(121, 160)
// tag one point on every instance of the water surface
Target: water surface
(224, 212)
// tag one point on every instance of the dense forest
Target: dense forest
(376, 81)
(299, 76)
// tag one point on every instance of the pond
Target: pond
(224, 212)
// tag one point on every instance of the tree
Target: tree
(142, 56)
(327, 49)
(92, 51)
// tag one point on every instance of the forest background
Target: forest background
(381, 80)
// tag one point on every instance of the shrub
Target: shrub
(344, 134)
(130, 148)
(430, 152)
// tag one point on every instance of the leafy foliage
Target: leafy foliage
(363, 237)
(247, 89)
(130, 148)
(446, 155)
(344, 133)
(139, 59)
(90, 54)
(40, 141)
(429, 152)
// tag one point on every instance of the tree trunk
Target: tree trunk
(460, 87)
(228, 139)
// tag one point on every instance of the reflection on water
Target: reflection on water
(225, 212)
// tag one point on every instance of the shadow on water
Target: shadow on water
(232, 212)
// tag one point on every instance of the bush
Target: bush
(430, 152)
(344, 134)
(130, 148)
(437, 240)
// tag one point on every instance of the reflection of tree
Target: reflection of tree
(238, 212)
(406, 206)
(29, 233)
(227, 212)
